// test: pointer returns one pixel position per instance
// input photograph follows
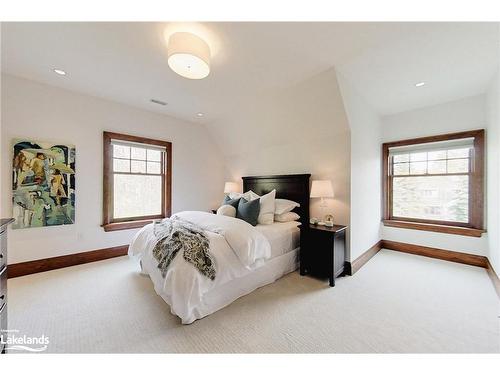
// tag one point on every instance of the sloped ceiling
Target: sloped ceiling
(272, 101)
(126, 62)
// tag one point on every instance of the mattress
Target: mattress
(283, 237)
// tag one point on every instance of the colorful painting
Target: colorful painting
(43, 184)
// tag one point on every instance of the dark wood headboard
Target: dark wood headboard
(292, 186)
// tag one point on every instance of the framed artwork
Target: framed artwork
(43, 184)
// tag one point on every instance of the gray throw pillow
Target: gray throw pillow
(248, 211)
(231, 202)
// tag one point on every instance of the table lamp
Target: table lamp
(231, 187)
(322, 189)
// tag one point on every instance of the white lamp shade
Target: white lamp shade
(231, 187)
(322, 189)
(188, 55)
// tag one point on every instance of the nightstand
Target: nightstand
(322, 251)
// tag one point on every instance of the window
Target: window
(137, 181)
(435, 183)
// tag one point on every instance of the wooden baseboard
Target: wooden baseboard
(47, 264)
(452, 256)
(360, 261)
(431, 252)
(494, 277)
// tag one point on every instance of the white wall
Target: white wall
(493, 172)
(297, 129)
(366, 165)
(460, 115)
(38, 111)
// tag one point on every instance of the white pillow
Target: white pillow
(249, 195)
(252, 196)
(227, 210)
(235, 195)
(266, 214)
(284, 205)
(286, 217)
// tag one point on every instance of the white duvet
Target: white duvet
(236, 247)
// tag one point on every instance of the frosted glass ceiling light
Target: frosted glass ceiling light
(188, 55)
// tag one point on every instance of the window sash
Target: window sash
(146, 146)
(161, 174)
(130, 159)
(430, 220)
(137, 217)
(469, 159)
(453, 144)
(161, 162)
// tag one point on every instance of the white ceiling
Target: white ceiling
(126, 62)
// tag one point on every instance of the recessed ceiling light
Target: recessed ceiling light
(419, 84)
(60, 72)
(199, 114)
(156, 101)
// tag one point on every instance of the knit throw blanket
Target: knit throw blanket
(175, 234)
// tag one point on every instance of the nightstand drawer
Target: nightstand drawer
(3, 285)
(3, 304)
(3, 325)
(3, 276)
(3, 249)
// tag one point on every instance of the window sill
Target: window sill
(125, 225)
(462, 231)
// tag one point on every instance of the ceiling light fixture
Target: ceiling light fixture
(419, 84)
(60, 72)
(188, 55)
(199, 114)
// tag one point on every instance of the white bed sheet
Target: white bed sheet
(233, 279)
(223, 295)
(283, 237)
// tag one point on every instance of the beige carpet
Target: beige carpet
(396, 303)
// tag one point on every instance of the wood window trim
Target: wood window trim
(463, 231)
(475, 227)
(108, 224)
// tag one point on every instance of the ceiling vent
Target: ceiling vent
(156, 101)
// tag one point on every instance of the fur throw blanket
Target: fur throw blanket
(174, 234)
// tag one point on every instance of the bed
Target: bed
(246, 257)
